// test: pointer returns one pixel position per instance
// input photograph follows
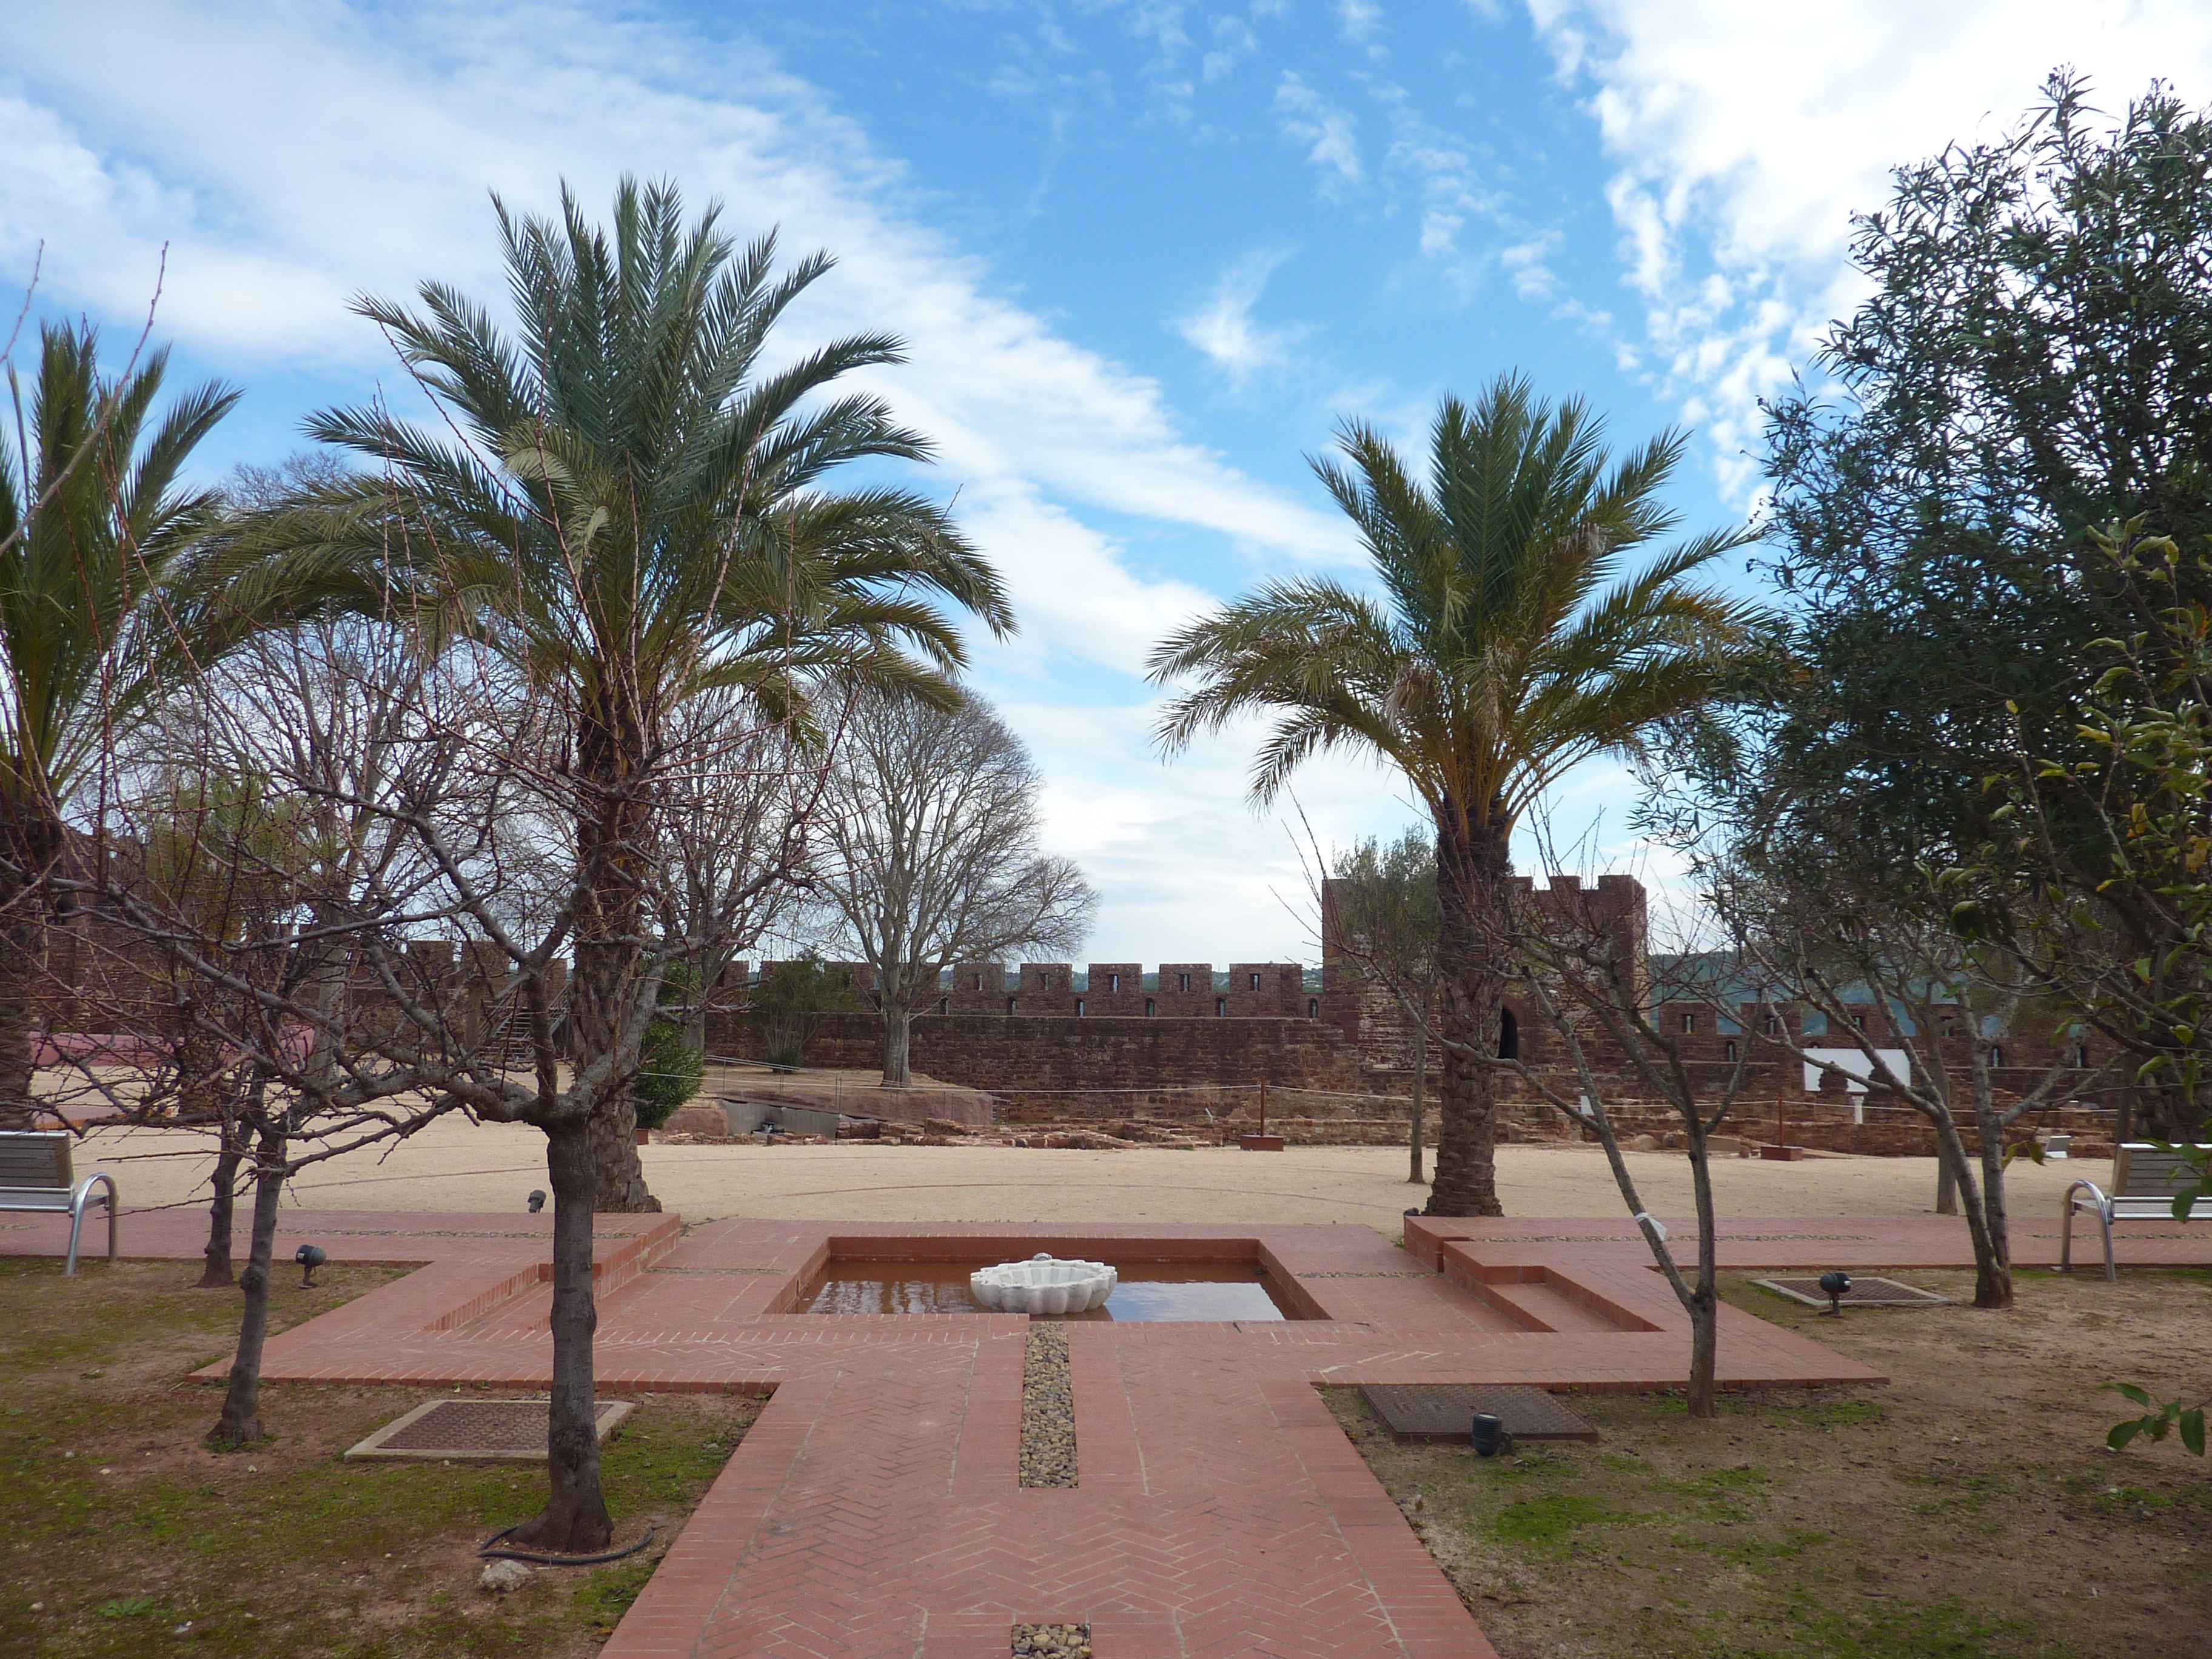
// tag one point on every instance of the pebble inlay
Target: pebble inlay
(1048, 1425)
(1052, 1641)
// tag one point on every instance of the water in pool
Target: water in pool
(1148, 1291)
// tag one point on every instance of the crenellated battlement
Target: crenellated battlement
(1242, 990)
(1105, 990)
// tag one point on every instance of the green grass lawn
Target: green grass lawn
(121, 1534)
(1968, 1510)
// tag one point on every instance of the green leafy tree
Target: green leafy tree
(2138, 775)
(670, 1067)
(632, 509)
(669, 1073)
(110, 593)
(2033, 360)
(790, 1001)
(1503, 646)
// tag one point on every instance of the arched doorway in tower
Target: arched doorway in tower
(1509, 1034)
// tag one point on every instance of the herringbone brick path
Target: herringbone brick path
(873, 1512)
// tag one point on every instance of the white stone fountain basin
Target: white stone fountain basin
(1043, 1284)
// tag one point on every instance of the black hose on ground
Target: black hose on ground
(491, 1550)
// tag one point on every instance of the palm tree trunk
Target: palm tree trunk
(1420, 1105)
(28, 847)
(20, 940)
(612, 831)
(1473, 922)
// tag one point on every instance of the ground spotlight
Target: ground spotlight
(1488, 1433)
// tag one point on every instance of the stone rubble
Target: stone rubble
(500, 1576)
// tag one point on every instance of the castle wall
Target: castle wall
(1090, 1068)
(1114, 1046)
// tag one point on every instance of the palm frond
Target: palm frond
(1504, 646)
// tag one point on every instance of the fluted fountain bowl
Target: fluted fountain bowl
(1043, 1284)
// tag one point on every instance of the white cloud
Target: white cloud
(1742, 135)
(1358, 20)
(291, 158)
(1223, 328)
(1441, 169)
(276, 211)
(1328, 131)
(1187, 869)
(1234, 40)
(1529, 263)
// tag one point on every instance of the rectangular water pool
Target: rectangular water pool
(1147, 1290)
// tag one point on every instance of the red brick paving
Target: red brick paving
(873, 1509)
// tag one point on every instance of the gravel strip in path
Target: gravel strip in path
(1048, 1422)
(1052, 1641)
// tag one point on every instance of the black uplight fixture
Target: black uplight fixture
(310, 1257)
(1835, 1284)
(537, 1199)
(1488, 1433)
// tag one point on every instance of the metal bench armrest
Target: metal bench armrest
(2101, 1204)
(2097, 1197)
(82, 1198)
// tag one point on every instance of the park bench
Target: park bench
(2145, 1179)
(35, 1174)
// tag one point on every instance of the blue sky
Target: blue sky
(1146, 254)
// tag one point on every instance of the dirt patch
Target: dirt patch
(1969, 1510)
(492, 1168)
(125, 1533)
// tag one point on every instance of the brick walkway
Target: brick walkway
(873, 1510)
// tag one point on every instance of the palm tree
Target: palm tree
(630, 508)
(109, 598)
(1503, 647)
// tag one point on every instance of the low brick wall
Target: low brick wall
(1888, 1132)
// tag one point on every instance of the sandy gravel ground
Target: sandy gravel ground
(453, 1165)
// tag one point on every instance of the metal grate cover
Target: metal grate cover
(1445, 1410)
(475, 1430)
(1868, 1292)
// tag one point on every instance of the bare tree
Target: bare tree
(267, 864)
(734, 834)
(1616, 1011)
(397, 773)
(930, 856)
(1917, 1010)
(1381, 907)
